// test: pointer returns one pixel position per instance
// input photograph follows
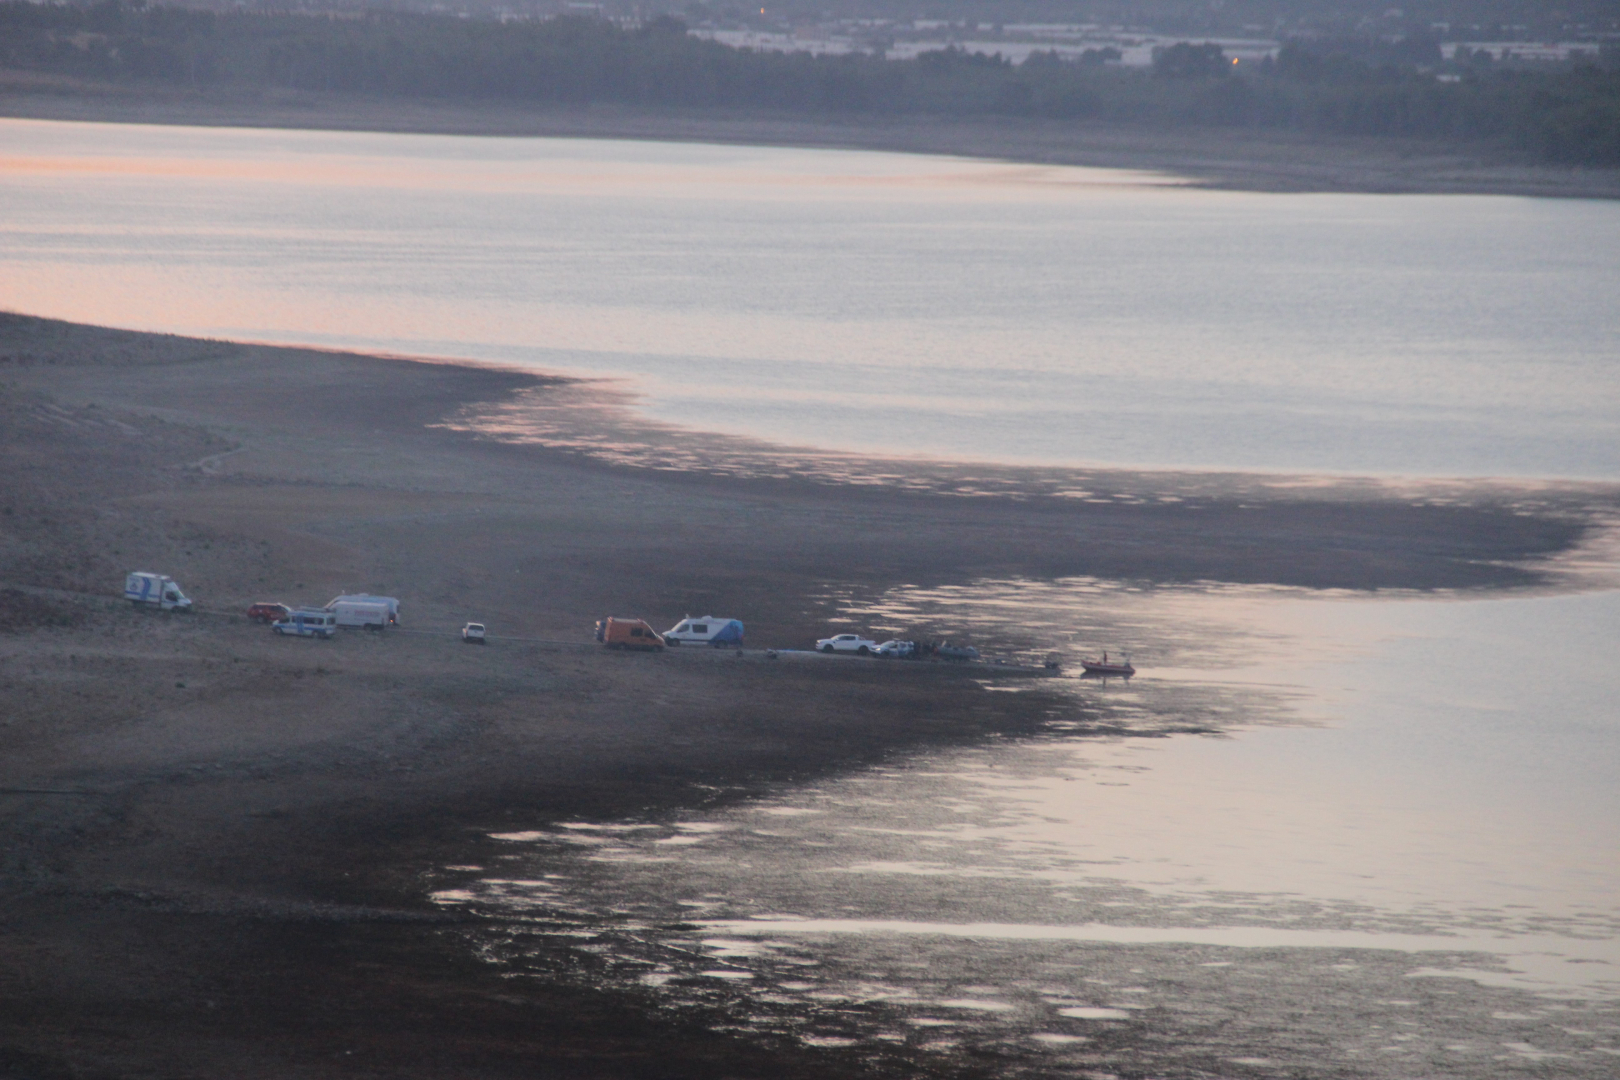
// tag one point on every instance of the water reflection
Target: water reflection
(1311, 831)
(876, 303)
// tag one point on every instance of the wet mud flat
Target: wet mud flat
(220, 847)
(910, 1008)
(197, 888)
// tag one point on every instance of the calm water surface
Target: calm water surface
(880, 303)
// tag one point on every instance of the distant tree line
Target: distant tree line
(1570, 114)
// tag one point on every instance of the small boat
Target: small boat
(1106, 666)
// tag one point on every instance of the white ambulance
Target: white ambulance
(158, 590)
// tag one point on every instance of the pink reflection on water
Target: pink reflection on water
(1389, 750)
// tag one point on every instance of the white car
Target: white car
(473, 633)
(848, 643)
(898, 649)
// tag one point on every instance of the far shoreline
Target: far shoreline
(1220, 159)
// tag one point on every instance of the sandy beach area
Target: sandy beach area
(1232, 158)
(214, 838)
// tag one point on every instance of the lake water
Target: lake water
(1398, 858)
(872, 302)
(1395, 849)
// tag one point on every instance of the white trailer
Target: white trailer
(368, 614)
(159, 590)
(367, 598)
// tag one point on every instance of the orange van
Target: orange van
(628, 634)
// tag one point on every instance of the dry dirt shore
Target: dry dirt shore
(1219, 158)
(214, 839)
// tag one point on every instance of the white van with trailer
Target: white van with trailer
(307, 622)
(368, 614)
(158, 590)
(367, 598)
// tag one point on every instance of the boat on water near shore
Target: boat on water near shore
(1106, 666)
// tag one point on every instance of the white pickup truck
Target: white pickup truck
(848, 643)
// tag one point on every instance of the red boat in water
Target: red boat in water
(1106, 666)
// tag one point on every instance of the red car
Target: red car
(268, 613)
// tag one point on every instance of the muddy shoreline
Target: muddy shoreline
(216, 841)
(1231, 159)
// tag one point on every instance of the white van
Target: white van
(720, 633)
(370, 614)
(142, 587)
(308, 622)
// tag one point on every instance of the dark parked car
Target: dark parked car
(268, 613)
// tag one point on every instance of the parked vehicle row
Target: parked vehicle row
(893, 649)
(376, 613)
(617, 632)
(361, 611)
(144, 588)
(896, 649)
